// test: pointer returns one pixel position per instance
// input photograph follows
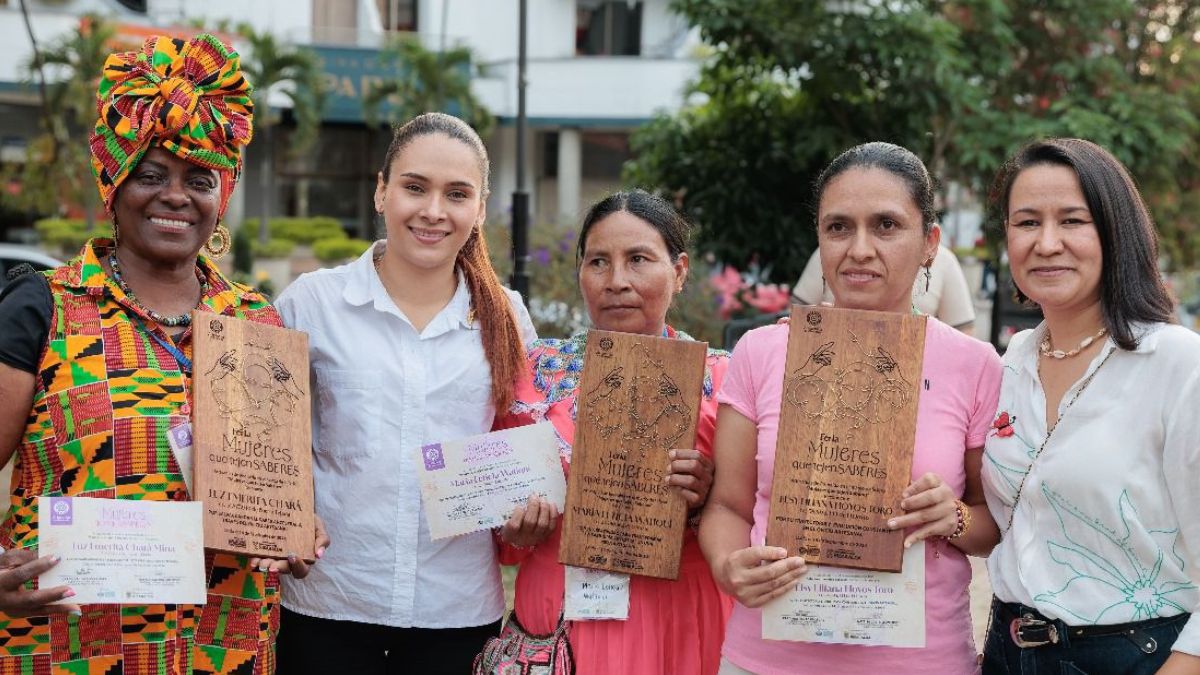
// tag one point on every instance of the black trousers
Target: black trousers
(311, 646)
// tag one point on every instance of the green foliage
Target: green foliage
(57, 170)
(68, 235)
(243, 250)
(963, 84)
(293, 70)
(303, 231)
(274, 248)
(429, 81)
(339, 249)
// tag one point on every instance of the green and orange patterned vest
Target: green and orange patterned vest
(106, 395)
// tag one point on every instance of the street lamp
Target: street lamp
(520, 198)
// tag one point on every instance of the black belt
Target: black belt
(1029, 628)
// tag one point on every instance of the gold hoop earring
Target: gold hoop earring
(218, 250)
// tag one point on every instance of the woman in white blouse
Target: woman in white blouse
(415, 342)
(1091, 467)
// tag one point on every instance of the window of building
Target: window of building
(398, 15)
(608, 28)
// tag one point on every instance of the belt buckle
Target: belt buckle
(1027, 631)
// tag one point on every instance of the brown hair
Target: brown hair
(502, 342)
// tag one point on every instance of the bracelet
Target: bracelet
(964, 520)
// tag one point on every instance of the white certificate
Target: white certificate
(473, 483)
(123, 551)
(859, 607)
(595, 594)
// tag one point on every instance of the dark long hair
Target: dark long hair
(1131, 289)
(898, 161)
(502, 342)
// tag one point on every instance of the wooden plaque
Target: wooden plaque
(847, 431)
(253, 437)
(638, 398)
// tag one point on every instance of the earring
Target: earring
(928, 273)
(824, 288)
(217, 250)
(116, 236)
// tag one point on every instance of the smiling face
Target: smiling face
(872, 240)
(627, 275)
(167, 208)
(431, 201)
(1053, 246)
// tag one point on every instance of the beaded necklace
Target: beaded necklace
(184, 319)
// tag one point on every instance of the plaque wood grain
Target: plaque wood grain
(253, 437)
(847, 431)
(639, 397)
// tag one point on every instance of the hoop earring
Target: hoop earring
(218, 250)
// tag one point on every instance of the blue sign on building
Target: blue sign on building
(350, 73)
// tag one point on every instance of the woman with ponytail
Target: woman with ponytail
(413, 343)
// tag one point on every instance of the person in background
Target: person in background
(96, 369)
(1092, 465)
(940, 289)
(415, 342)
(875, 226)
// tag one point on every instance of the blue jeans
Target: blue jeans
(1113, 654)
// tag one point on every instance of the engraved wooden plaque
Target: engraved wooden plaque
(638, 398)
(847, 431)
(253, 437)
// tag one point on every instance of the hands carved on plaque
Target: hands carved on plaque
(256, 391)
(871, 389)
(644, 409)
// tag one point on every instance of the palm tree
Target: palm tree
(296, 72)
(67, 71)
(426, 81)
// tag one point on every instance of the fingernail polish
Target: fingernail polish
(75, 612)
(320, 552)
(69, 593)
(56, 559)
(892, 524)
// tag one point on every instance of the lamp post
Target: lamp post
(520, 198)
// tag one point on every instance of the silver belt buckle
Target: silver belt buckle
(1021, 626)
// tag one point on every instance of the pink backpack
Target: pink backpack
(516, 652)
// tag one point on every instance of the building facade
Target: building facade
(597, 69)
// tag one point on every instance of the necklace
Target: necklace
(1045, 350)
(184, 319)
(1050, 432)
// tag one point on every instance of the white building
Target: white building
(596, 70)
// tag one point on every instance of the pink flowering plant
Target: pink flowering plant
(747, 294)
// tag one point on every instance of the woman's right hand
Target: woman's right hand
(531, 524)
(18, 566)
(759, 574)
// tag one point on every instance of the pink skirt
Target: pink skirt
(673, 626)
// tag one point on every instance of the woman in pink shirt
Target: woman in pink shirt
(876, 230)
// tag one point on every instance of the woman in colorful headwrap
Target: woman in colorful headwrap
(95, 368)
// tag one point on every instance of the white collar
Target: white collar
(364, 286)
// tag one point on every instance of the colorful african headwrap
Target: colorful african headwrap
(188, 97)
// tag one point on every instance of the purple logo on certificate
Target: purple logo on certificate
(181, 435)
(60, 511)
(433, 457)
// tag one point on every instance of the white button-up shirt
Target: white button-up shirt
(381, 390)
(1107, 528)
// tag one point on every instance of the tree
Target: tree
(426, 81)
(960, 83)
(58, 168)
(272, 66)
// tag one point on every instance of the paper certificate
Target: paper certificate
(595, 594)
(124, 551)
(849, 606)
(473, 483)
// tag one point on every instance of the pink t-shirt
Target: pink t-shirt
(960, 384)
